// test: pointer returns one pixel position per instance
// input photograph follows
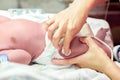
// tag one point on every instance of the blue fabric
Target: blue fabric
(3, 58)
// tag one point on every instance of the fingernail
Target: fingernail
(61, 40)
(66, 54)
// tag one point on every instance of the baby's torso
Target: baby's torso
(22, 34)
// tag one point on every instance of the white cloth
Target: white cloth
(13, 71)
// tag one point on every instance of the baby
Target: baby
(23, 41)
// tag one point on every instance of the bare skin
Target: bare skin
(95, 58)
(22, 40)
(4, 19)
(69, 22)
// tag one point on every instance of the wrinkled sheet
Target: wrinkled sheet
(14, 71)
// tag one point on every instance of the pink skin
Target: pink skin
(4, 19)
(22, 40)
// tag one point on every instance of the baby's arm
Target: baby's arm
(17, 56)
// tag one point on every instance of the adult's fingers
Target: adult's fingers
(58, 35)
(51, 30)
(67, 40)
(89, 41)
(47, 23)
(64, 61)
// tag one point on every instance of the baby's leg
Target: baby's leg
(17, 56)
(4, 19)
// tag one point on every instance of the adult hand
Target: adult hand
(66, 24)
(94, 58)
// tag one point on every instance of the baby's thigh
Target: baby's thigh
(18, 56)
